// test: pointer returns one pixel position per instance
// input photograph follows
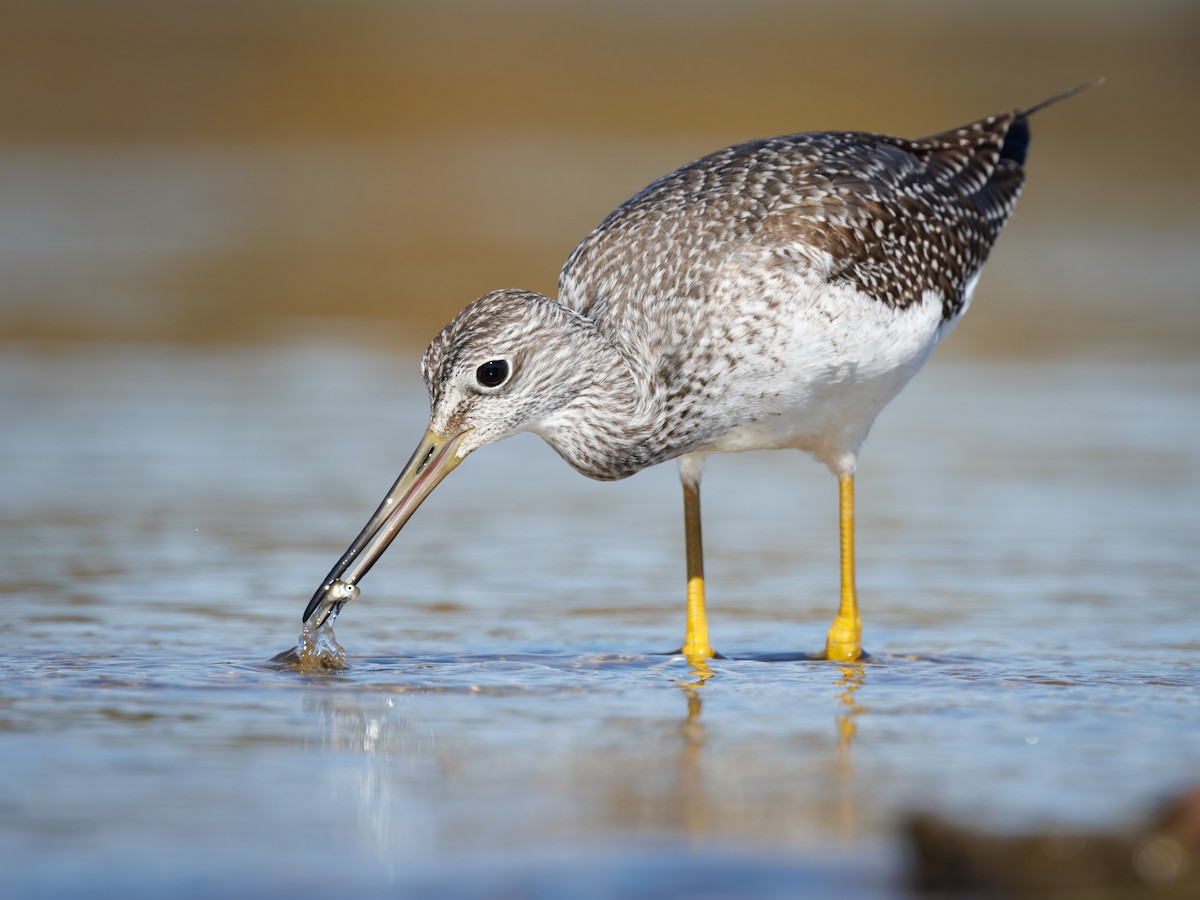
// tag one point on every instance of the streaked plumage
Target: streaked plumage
(777, 293)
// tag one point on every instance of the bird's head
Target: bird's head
(508, 362)
(505, 364)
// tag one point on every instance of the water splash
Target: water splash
(316, 653)
(317, 650)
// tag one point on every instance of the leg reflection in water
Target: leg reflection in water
(853, 676)
(706, 800)
(691, 771)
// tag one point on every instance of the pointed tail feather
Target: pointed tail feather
(1016, 140)
(1078, 89)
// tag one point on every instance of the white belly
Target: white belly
(831, 369)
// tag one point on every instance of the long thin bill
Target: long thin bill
(434, 459)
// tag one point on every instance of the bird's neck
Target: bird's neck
(609, 429)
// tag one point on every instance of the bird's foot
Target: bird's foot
(844, 643)
(842, 652)
(695, 653)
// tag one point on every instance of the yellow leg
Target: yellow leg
(845, 635)
(695, 642)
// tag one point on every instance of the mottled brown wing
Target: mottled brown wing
(900, 218)
(894, 217)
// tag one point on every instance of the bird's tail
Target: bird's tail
(1078, 89)
(1016, 140)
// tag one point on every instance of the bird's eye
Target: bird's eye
(492, 373)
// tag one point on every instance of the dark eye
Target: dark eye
(492, 373)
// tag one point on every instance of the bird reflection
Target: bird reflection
(411, 761)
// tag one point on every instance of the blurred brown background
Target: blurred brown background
(262, 169)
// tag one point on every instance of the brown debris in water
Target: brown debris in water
(1160, 859)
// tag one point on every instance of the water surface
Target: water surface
(510, 724)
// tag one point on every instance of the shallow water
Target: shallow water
(509, 725)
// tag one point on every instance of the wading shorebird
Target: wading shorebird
(775, 294)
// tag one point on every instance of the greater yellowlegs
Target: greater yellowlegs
(775, 294)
